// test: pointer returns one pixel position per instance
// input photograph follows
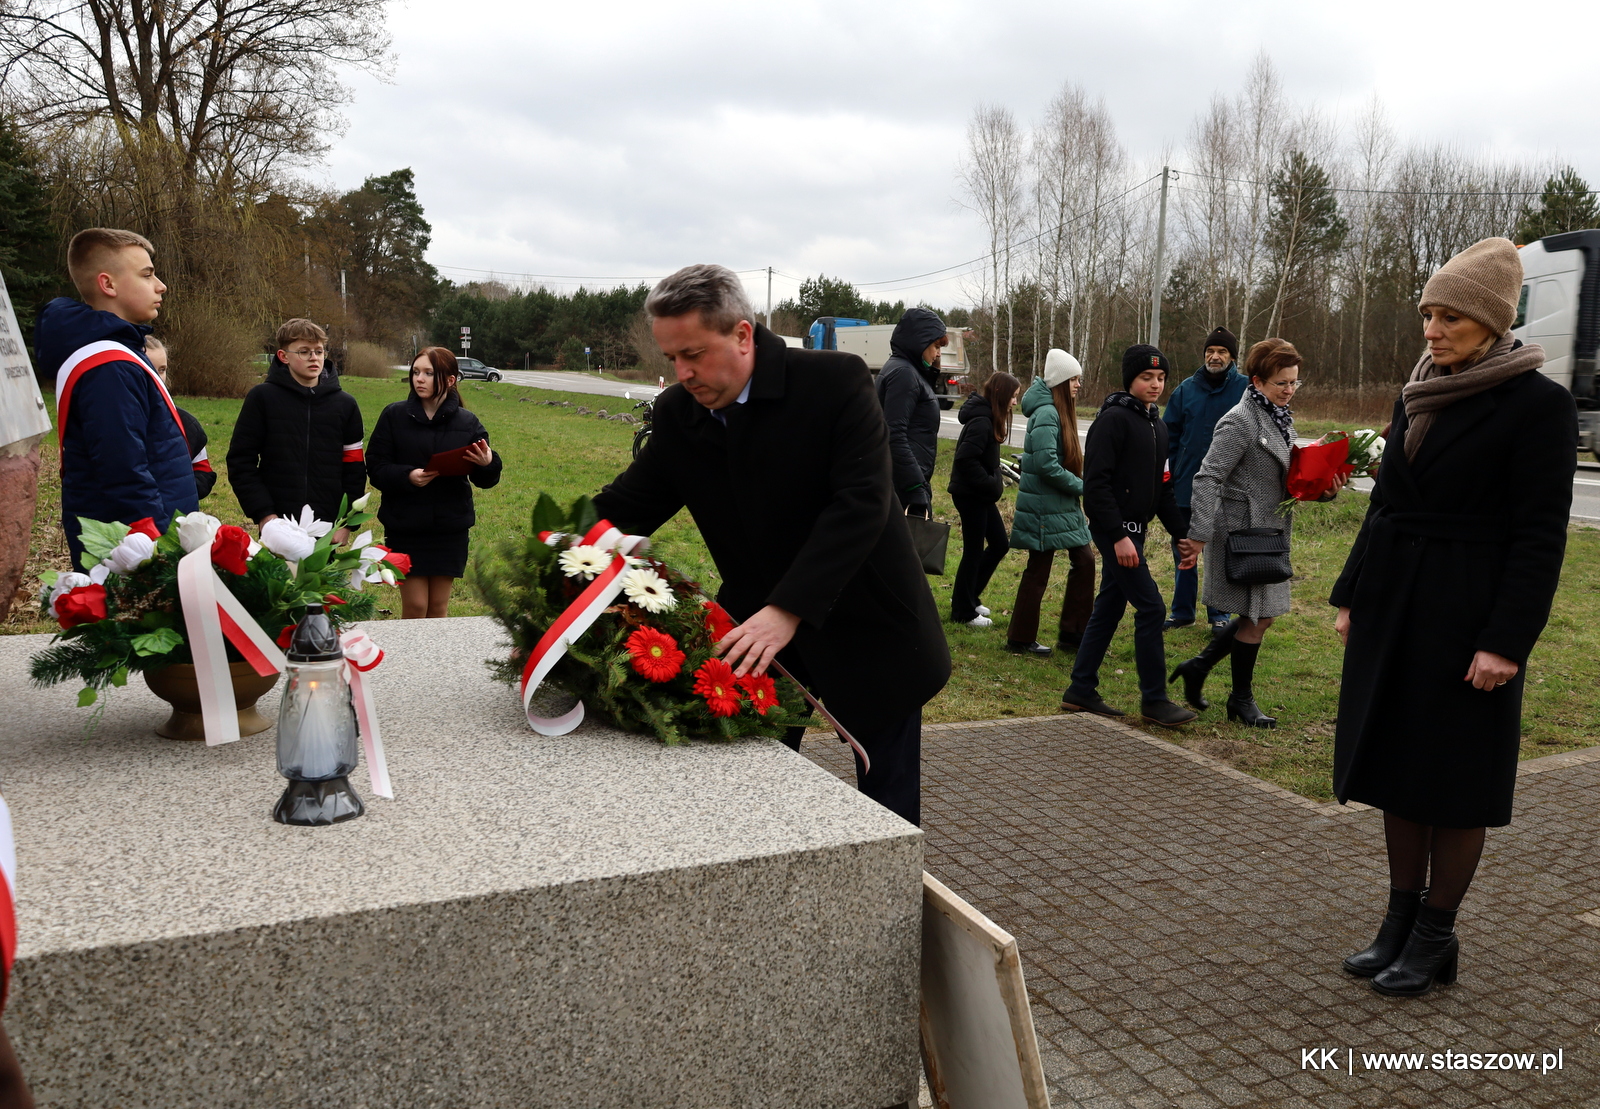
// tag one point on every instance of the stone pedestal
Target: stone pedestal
(19, 495)
(594, 920)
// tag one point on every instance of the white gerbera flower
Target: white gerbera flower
(584, 562)
(648, 590)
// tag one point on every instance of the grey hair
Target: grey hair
(714, 291)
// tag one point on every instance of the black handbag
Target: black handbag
(1258, 556)
(931, 538)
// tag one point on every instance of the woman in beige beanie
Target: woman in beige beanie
(1446, 591)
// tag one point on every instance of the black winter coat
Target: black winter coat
(205, 478)
(1125, 475)
(910, 406)
(975, 470)
(794, 499)
(404, 440)
(295, 445)
(1460, 552)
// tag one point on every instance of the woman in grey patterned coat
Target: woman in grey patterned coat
(1240, 485)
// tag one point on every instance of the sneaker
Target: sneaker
(1039, 650)
(1220, 625)
(979, 621)
(1087, 702)
(984, 610)
(1167, 714)
(1174, 622)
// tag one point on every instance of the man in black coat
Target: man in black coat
(1126, 484)
(298, 438)
(910, 407)
(781, 456)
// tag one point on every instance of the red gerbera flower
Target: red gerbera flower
(761, 690)
(718, 622)
(655, 654)
(714, 681)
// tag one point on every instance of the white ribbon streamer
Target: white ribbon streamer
(576, 620)
(213, 616)
(361, 654)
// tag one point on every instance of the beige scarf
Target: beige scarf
(1432, 388)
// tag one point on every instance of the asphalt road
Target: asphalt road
(1585, 488)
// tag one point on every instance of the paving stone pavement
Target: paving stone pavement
(1181, 924)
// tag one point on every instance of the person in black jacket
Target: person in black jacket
(1127, 484)
(1447, 589)
(975, 486)
(910, 407)
(426, 514)
(782, 458)
(298, 439)
(205, 478)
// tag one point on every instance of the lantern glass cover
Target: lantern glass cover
(317, 729)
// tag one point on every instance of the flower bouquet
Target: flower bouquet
(1313, 468)
(126, 615)
(645, 663)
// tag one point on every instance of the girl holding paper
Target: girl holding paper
(426, 510)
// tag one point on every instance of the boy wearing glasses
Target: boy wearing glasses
(298, 440)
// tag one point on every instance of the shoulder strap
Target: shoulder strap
(86, 358)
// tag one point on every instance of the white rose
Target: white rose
(287, 539)
(197, 530)
(133, 552)
(70, 580)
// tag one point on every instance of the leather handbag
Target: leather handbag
(931, 538)
(1258, 556)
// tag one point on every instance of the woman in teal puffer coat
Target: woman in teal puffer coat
(1049, 517)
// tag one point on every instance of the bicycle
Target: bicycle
(642, 436)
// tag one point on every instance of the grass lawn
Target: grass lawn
(556, 450)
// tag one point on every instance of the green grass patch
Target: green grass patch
(559, 451)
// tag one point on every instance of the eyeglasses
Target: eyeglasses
(1291, 385)
(314, 352)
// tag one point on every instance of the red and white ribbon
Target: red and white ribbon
(86, 358)
(361, 654)
(572, 623)
(8, 901)
(212, 614)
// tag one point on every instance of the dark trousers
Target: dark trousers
(1075, 606)
(1124, 585)
(895, 749)
(983, 546)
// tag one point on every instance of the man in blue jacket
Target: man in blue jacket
(1192, 414)
(123, 452)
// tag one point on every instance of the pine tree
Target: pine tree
(1567, 204)
(27, 239)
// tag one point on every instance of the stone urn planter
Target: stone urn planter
(176, 685)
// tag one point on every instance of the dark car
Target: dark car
(471, 367)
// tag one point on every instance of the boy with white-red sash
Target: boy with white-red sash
(123, 452)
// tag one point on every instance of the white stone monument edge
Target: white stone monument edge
(23, 415)
(979, 1047)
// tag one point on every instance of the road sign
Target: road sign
(586, 350)
(466, 344)
(466, 331)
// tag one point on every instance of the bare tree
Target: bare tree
(991, 177)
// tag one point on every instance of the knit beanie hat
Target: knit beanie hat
(1222, 337)
(1139, 358)
(1060, 366)
(1483, 283)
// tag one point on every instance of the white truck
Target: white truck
(871, 342)
(1560, 310)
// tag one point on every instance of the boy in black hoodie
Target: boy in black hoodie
(1126, 484)
(298, 439)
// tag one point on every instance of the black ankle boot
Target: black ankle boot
(1392, 935)
(1429, 957)
(1194, 671)
(1242, 701)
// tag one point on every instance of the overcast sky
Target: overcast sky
(609, 140)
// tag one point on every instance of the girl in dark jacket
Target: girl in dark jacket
(975, 486)
(1445, 593)
(426, 514)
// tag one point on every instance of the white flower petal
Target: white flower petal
(196, 530)
(287, 539)
(133, 552)
(360, 503)
(648, 590)
(584, 561)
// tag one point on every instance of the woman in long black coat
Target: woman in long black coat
(1446, 591)
(426, 514)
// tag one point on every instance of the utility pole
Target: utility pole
(769, 298)
(1160, 274)
(342, 309)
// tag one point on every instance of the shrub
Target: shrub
(368, 360)
(210, 351)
